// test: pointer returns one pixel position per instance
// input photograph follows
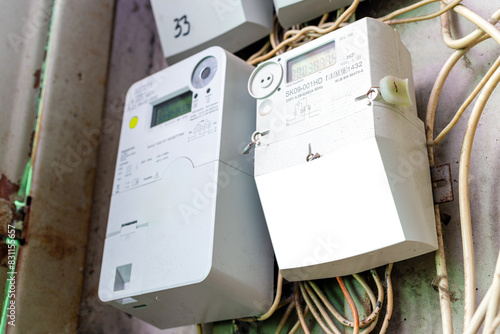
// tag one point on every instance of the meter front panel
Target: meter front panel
(163, 123)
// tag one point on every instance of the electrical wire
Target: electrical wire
(388, 312)
(479, 315)
(323, 19)
(368, 290)
(297, 36)
(467, 102)
(464, 198)
(329, 306)
(322, 310)
(494, 302)
(285, 302)
(466, 230)
(300, 314)
(406, 9)
(424, 17)
(283, 320)
(262, 51)
(496, 323)
(442, 272)
(315, 313)
(297, 324)
(301, 33)
(443, 286)
(352, 305)
(485, 25)
(376, 306)
(464, 41)
(274, 306)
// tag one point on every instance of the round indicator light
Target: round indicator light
(133, 122)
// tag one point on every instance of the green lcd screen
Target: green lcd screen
(172, 108)
(310, 62)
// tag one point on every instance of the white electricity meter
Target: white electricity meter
(340, 155)
(186, 240)
(186, 27)
(292, 12)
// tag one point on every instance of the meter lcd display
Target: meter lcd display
(311, 61)
(172, 108)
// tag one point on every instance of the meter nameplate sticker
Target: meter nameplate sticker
(313, 85)
(174, 113)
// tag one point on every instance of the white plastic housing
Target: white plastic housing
(292, 12)
(186, 241)
(367, 200)
(187, 27)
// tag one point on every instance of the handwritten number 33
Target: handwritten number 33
(179, 28)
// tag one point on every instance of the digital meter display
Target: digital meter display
(172, 108)
(310, 62)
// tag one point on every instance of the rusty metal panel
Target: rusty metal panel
(443, 193)
(50, 271)
(23, 34)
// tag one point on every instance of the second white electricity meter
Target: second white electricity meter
(340, 154)
(186, 241)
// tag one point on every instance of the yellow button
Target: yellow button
(133, 122)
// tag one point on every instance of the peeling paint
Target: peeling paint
(37, 75)
(6, 215)
(7, 188)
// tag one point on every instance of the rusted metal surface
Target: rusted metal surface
(6, 215)
(23, 34)
(7, 188)
(442, 184)
(8, 191)
(50, 269)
